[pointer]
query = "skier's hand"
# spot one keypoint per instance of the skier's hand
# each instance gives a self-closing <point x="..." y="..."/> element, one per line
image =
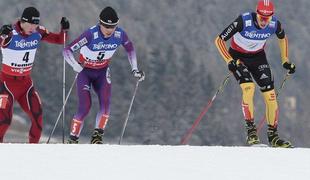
<point x="77" y="68"/>
<point x="233" y="65"/>
<point x="138" y="74"/>
<point x="65" y="25"/>
<point x="6" y="29"/>
<point x="290" y="67"/>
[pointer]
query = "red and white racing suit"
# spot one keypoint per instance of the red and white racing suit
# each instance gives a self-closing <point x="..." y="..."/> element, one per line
<point x="18" y="52"/>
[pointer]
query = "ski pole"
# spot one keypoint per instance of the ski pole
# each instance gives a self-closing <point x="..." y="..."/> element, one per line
<point x="189" y="133"/>
<point x="128" y="113"/>
<point x="261" y="122"/>
<point x="64" y="94"/>
<point x="62" y="109"/>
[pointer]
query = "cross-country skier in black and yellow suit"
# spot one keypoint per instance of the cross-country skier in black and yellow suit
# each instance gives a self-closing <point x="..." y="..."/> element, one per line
<point x="247" y="60"/>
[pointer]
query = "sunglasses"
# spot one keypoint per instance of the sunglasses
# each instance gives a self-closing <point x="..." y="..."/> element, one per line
<point x="108" y="26"/>
<point x="264" y="18"/>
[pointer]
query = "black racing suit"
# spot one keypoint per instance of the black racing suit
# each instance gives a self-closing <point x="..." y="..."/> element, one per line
<point x="256" y="63"/>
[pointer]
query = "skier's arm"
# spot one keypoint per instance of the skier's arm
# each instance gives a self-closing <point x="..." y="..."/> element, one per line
<point x="50" y="37"/>
<point x="283" y="42"/>
<point x="131" y="53"/>
<point x="228" y="32"/>
<point x="76" y="45"/>
<point x="56" y="38"/>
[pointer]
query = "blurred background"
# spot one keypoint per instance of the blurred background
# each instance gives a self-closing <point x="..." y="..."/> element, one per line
<point x="174" y="40"/>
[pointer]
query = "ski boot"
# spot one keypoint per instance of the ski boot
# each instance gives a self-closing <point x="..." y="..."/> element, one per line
<point x="73" y="140"/>
<point x="274" y="139"/>
<point x="252" y="137"/>
<point x="96" y="138"/>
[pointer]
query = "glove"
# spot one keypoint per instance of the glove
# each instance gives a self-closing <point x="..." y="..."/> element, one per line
<point x="6" y="29"/>
<point x="77" y="68"/>
<point x="65" y="25"/>
<point x="290" y="67"/>
<point x="233" y="65"/>
<point x="138" y="74"/>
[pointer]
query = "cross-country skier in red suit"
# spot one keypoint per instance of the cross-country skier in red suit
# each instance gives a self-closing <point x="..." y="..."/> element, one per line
<point x="19" y="43"/>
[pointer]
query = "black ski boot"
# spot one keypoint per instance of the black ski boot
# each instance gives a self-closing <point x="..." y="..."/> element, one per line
<point x="252" y="137"/>
<point x="274" y="139"/>
<point x="73" y="140"/>
<point x="96" y="138"/>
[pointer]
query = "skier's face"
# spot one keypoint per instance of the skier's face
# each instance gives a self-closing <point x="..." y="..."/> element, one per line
<point x="107" y="31"/>
<point x="29" y="28"/>
<point x="263" y="21"/>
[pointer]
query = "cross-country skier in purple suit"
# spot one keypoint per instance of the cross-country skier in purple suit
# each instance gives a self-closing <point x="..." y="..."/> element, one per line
<point x="97" y="46"/>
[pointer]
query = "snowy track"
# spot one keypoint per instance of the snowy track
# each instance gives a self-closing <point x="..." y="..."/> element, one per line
<point x="114" y="162"/>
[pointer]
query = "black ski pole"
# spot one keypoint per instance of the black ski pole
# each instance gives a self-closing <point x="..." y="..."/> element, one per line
<point x="64" y="94"/>
<point x="62" y="109"/>
<point x="128" y="113"/>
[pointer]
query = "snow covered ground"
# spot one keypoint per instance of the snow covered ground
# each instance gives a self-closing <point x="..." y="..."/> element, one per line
<point x="137" y="162"/>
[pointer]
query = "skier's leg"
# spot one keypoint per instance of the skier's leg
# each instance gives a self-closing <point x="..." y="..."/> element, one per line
<point x="102" y="87"/>
<point x="271" y="107"/>
<point x="272" y="120"/>
<point x="83" y="91"/>
<point x="272" y="112"/>
<point x="247" y="85"/>
<point x="6" y="109"/>
<point x="248" y="90"/>
<point x="31" y="104"/>
<point x="264" y="79"/>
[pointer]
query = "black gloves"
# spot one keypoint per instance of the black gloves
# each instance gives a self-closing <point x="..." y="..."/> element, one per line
<point x="6" y="29"/>
<point x="65" y="25"/>
<point x="233" y="65"/>
<point x="138" y="74"/>
<point x="290" y="67"/>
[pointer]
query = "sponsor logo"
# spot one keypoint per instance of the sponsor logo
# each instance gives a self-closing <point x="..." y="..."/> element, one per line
<point x="228" y="31"/>
<point x="272" y="24"/>
<point x="36" y="18"/>
<point x="265" y="12"/>
<point x="22" y="43"/>
<point x="96" y="35"/>
<point x="248" y="88"/>
<point x="235" y="24"/>
<point x="83" y="41"/>
<point x="101" y="45"/>
<point x="248" y="23"/>
<point x="95" y="63"/>
<point x="21" y="71"/>
<point x="75" y="47"/>
<point x="117" y="34"/>
<point x="86" y="87"/>
<point x="262" y="67"/>
<point x="272" y="97"/>
<point x="21" y="65"/>
<point x="79" y="44"/>
<point x="108" y="76"/>
<point x="246" y="14"/>
<point x="253" y="34"/>
<point x="264" y="76"/>
<point x="3" y="100"/>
